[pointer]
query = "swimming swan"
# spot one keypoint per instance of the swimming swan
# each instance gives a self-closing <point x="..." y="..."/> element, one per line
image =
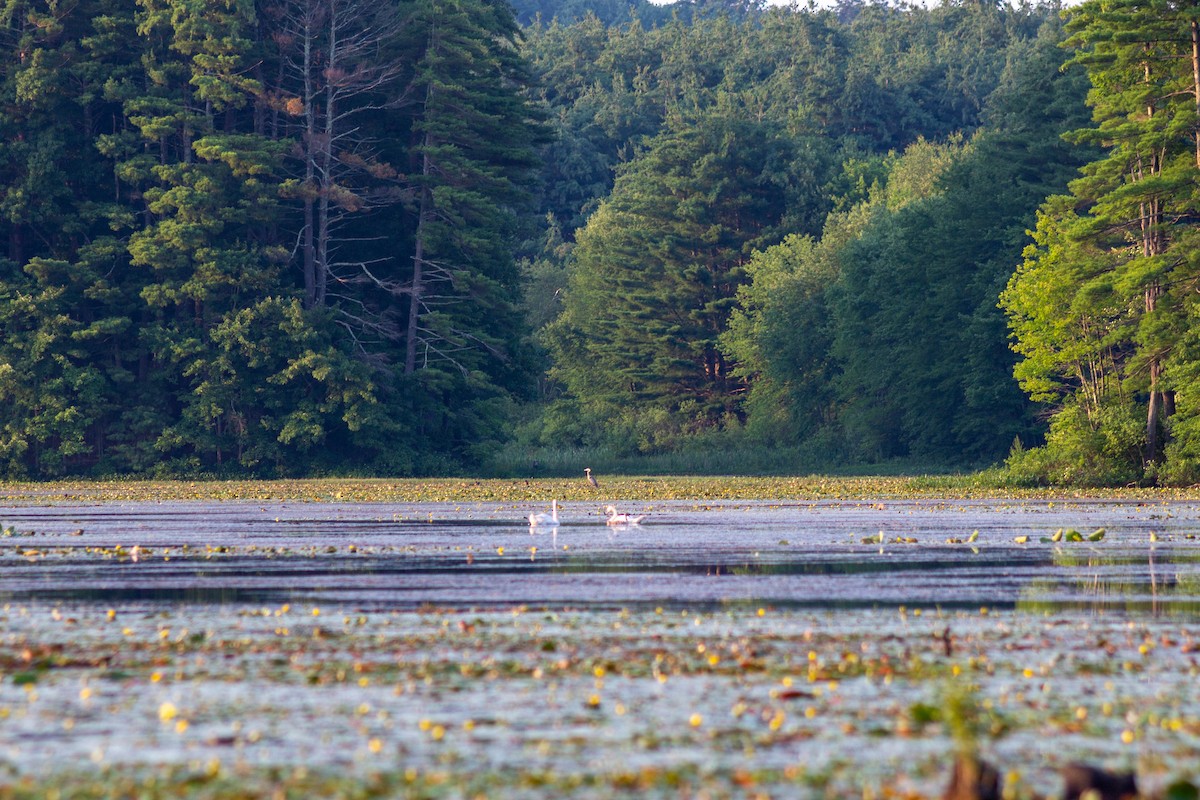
<point x="616" y="518"/>
<point x="536" y="520"/>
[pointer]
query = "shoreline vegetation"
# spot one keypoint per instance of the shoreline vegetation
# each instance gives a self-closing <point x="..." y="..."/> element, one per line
<point x="811" y="488"/>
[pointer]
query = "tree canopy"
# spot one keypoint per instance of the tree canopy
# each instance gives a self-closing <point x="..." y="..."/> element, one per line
<point x="309" y="236"/>
<point x="210" y="215"/>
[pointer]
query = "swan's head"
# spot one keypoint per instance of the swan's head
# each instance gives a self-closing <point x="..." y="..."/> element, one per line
<point x="610" y="510"/>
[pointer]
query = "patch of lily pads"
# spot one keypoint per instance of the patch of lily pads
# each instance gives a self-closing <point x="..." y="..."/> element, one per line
<point x="640" y="488"/>
<point x="212" y="701"/>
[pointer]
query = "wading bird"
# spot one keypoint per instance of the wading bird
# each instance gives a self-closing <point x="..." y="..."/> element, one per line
<point x="587" y="473"/>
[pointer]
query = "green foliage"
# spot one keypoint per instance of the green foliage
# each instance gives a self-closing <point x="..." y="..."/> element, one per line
<point x="1067" y="322"/>
<point x="1101" y="308"/>
<point x="471" y="163"/>
<point x="656" y="271"/>
<point x="1182" y="463"/>
<point x="1100" y="449"/>
<point x="871" y="80"/>
<point x="158" y="304"/>
<point x="608" y="12"/>
<point x="958" y="706"/>
<point x="883" y="335"/>
<point x="890" y="305"/>
<point x="781" y="333"/>
<point x="50" y="391"/>
<point x="732" y="450"/>
<point x="1181" y="789"/>
<point x="284" y="237"/>
<point x="474" y="157"/>
<point x="272" y="391"/>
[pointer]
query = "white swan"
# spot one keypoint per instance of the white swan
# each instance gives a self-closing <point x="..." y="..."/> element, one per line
<point x="536" y="520"/>
<point x="617" y="518"/>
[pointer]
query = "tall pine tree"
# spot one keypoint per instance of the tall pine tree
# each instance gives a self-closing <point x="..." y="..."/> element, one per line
<point x="658" y="267"/>
<point x="471" y="160"/>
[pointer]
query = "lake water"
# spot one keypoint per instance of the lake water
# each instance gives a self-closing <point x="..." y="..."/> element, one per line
<point x="794" y="642"/>
<point x="809" y="554"/>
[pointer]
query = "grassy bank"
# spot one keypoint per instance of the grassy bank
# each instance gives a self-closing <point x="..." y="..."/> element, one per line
<point x="639" y="488"/>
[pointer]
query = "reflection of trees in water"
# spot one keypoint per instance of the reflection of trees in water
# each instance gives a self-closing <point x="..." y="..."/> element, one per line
<point x="199" y="595"/>
<point x="589" y="563"/>
<point x="1090" y="583"/>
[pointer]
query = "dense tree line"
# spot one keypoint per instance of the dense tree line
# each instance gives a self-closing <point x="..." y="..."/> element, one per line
<point x="296" y="236"/>
<point x="273" y="237"/>
<point x="811" y="217"/>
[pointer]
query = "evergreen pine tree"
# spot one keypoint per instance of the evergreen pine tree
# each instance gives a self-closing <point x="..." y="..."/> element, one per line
<point x="471" y="160"/>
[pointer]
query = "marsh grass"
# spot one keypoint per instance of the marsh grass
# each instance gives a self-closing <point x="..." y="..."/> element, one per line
<point x="571" y="486"/>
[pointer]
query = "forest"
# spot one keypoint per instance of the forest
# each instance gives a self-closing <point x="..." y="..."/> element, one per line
<point x="416" y="237"/>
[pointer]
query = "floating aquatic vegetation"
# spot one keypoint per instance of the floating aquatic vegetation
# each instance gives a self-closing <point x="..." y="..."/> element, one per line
<point x="652" y="488"/>
<point x="732" y="649"/>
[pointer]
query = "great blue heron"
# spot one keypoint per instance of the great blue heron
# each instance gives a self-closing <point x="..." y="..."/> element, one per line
<point x="617" y="518"/>
<point x="545" y="519"/>
<point x="587" y="472"/>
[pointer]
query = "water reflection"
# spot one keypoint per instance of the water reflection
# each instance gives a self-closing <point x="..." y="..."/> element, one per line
<point x="1152" y="583"/>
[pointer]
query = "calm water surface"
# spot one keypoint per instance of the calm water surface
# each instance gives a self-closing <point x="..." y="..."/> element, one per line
<point x="825" y="554"/>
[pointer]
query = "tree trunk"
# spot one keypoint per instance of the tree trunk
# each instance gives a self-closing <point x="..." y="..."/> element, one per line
<point x="1152" y="419"/>
<point x="310" y="262"/>
<point x="308" y="246"/>
<point x="1152" y="245"/>
<point x="325" y="159"/>
<point x="416" y="294"/>
<point x="1196" y="82"/>
<point x="1154" y="416"/>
